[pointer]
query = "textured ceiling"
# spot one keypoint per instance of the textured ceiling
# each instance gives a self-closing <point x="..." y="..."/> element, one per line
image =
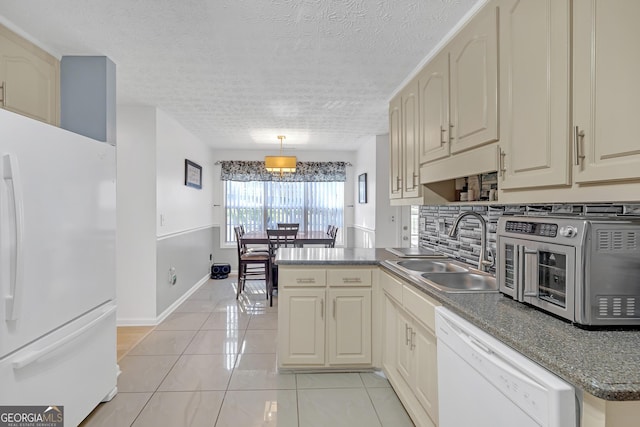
<point x="237" y="73"/>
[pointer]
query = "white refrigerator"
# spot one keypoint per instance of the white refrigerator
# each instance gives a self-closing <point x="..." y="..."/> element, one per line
<point x="57" y="268"/>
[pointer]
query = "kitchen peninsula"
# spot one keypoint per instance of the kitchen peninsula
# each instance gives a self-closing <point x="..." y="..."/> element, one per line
<point x="603" y="364"/>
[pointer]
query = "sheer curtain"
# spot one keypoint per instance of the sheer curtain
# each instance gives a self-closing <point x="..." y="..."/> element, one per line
<point x="259" y="205"/>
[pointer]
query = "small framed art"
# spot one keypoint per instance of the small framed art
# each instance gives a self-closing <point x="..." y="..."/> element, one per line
<point x="362" y="188"/>
<point x="192" y="174"/>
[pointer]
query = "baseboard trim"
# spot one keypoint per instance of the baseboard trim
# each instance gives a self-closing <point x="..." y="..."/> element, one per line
<point x="157" y="320"/>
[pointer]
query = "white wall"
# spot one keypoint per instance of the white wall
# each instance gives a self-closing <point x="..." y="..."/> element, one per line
<point x="151" y="150"/>
<point x="364" y="216"/>
<point x="136" y="207"/>
<point x="376" y="223"/>
<point x="388" y="222"/>
<point x="182" y="208"/>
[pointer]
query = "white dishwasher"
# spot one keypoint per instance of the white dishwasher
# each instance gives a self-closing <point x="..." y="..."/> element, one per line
<point x="484" y="383"/>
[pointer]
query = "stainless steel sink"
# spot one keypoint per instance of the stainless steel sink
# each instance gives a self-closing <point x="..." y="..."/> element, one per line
<point x="431" y="266"/>
<point x="462" y="282"/>
<point x="445" y="275"/>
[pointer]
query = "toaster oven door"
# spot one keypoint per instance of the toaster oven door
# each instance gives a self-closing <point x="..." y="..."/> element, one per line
<point x="508" y="271"/>
<point x="548" y="277"/>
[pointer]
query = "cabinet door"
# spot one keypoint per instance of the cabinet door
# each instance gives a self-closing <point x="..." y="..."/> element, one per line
<point x="403" y="348"/>
<point x="301" y="321"/>
<point x="349" y="323"/>
<point x="535" y="73"/>
<point x="433" y="84"/>
<point x="29" y="78"/>
<point x="474" y="82"/>
<point x="389" y="340"/>
<point x="606" y="90"/>
<point x="395" y="153"/>
<point x="425" y="373"/>
<point x="410" y="130"/>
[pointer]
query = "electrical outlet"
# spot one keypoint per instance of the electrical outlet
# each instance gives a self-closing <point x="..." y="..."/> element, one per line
<point x="173" y="277"/>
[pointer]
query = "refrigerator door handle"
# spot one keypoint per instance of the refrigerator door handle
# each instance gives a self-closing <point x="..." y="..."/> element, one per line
<point x="11" y="177"/>
<point x="34" y="356"/>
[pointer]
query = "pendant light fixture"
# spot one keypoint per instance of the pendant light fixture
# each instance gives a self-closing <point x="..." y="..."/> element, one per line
<point x="280" y="164"/>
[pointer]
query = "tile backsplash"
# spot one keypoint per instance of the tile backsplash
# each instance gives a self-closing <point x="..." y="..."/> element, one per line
<point x="436" y="221"/>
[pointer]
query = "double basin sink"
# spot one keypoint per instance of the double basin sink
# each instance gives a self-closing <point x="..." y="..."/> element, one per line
<point x="446" y="275"/>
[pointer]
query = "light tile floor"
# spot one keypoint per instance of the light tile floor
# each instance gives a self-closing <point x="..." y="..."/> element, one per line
<point x="213" y="363"/>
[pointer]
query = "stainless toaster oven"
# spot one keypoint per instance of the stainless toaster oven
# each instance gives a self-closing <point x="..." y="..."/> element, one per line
<point x="583" y="269"/>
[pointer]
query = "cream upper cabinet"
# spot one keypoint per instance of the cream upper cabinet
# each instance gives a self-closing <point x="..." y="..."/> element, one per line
<point x="395" y="152"/>
<point x="410" y="132"/>
<point x="404" y="122"/>
<point x="29" y="79"/>
<point x="606" y="90"/>
<point x="535" y="99"/>
<point x="474" y="82"/>
<point x="433" y="83"/>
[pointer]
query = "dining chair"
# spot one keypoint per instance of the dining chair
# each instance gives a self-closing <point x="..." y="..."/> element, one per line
<point x="288" y="226"/>
<point x="281" y="238"/>
<point x="333" y="234"/>
<point x="252" y="265"/>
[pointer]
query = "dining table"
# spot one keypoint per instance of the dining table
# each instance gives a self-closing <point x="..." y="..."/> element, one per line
<point x="302" y="238"/>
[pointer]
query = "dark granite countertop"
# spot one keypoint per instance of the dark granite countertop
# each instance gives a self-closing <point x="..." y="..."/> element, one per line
<point x="604" y="363"/>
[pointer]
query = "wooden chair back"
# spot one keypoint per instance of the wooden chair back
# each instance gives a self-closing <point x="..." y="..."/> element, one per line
<point x="288" y="226"/>
<point x="281" y="238"/>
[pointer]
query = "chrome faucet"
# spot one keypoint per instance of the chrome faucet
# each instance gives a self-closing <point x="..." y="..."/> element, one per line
<point x="482" y="262"/>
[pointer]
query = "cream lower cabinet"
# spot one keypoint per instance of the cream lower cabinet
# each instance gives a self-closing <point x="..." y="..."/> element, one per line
<point x="324" y="318"/>
<point x="29" y="79"/>
<point x="409" y="348"/>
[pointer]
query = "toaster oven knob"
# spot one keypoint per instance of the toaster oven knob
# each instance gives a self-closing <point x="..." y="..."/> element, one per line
<point x="568" y="231"/>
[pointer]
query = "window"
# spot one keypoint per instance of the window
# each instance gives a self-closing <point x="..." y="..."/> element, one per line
<point x="415" y="226"/>
<point x="259" y="205"/>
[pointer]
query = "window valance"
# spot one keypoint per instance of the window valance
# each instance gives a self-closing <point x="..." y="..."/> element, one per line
<point x="242" y="170"/>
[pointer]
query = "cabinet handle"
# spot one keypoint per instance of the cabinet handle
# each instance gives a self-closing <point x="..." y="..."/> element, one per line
<point x="334" y="308"/>
<point x="406" y="333"/>
<point x="398" y="181"/>
<point x="3" y="88"/>
<point x="443" y="139"/>
<point x="351" y="280"/>
<point x="501" y="168"/>
<point x="451" y="137"/>
<point x="415" y="175"/>
<point x="322" y="308"/>
<point x="306" y="280"/>
<point x="578" y="135"/>
<point x="413" y="335"/>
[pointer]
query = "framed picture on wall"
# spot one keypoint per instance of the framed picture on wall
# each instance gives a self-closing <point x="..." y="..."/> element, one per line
<point x="192" y="174"/>
<point x="362" y="188"/>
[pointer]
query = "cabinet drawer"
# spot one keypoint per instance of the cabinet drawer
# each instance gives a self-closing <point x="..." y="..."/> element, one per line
<point x="302" y="277"/>
<point x="391" y="286"/>
<point x="349" y="277"/>
<point x="420" y="306"/>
